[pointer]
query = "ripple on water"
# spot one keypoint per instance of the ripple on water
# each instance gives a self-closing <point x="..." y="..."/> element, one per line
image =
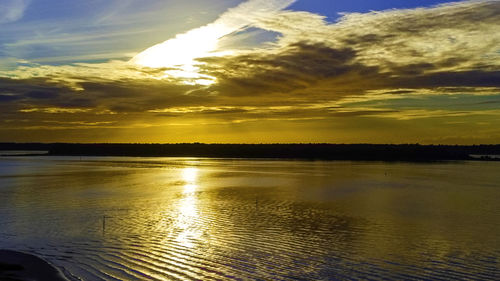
<point x="205" y="219"/>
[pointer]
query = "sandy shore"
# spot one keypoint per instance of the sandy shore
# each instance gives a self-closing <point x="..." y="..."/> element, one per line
<point x="17" y="266"/>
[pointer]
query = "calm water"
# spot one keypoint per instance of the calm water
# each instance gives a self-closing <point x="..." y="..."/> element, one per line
<point x="203" y="219"/>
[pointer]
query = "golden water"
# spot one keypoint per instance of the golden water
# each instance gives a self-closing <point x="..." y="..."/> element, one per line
<point x="209" y="219"/>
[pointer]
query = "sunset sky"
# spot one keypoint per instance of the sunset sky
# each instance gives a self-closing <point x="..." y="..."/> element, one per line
<point x="256" y="71"/>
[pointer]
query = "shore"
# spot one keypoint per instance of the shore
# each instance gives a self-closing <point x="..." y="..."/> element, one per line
<point x="325" y="151"/>
<point x="17" y="266"/>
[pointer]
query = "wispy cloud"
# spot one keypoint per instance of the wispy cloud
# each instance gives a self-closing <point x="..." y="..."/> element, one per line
<point x="95" y="31"/>
<point x="202" y="41"/>
<point x="12" y="10"/>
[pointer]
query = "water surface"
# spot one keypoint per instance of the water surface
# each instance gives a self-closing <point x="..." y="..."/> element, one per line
<point x="201" y="219"/>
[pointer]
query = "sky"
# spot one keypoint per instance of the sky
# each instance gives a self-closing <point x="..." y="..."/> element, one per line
<point x="254" y="71"/>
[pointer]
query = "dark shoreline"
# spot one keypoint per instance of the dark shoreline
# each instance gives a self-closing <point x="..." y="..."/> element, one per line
<point x="19" y="266"/>
<point x="353" y="152"/>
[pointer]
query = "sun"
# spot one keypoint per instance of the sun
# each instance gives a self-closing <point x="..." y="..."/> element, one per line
<point x="179" y="55"/>
<point x="183" y="49"/>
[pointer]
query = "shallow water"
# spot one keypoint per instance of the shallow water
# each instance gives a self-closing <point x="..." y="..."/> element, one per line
<point x="202" y="219"/>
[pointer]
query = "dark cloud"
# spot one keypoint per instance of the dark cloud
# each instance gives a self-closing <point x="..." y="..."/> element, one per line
<point x="299" y="66"/>
<point x="475" y="78"/>
<point x="120" y="95"/>
<point x="4" y="98"/>
<point x="42" y="95"/>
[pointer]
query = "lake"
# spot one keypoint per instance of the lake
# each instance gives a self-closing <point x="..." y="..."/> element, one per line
<point x="105" y="218"/>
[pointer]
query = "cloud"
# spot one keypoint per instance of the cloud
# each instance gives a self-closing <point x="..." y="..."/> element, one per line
<point x="436" y="47"/>
<point x="64" y="32"/>
<point x="453" y="45"/>
<point x="315" y="70"/>
<point x="12" y="10"/>
<point x="200" y="42"/>
<point x="457" y="36"/>
<point x="296" y="68"/>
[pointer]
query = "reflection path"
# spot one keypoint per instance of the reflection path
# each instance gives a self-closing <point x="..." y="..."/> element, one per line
<point x="188" y="214"/>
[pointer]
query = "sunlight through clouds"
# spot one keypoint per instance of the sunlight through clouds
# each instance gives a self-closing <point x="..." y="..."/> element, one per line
<point x="182" y="51"/>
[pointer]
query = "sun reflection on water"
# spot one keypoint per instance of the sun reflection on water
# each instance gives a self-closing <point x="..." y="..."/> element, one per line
<point x="188" y="213"/>
<point x="190" y="175"/>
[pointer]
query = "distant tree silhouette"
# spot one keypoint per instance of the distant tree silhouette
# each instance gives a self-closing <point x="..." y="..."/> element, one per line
<point x="368" y="152"/>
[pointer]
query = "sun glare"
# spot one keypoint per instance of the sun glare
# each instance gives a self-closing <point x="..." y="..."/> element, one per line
<point x="179" y="55"/>
<point x="190" y="175"/>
